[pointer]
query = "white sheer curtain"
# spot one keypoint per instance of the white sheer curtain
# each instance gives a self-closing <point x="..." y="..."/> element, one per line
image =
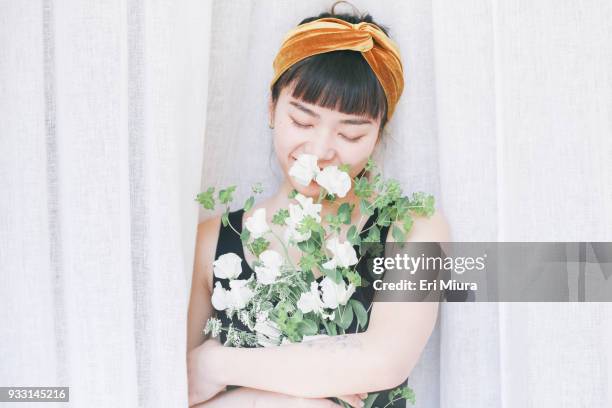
<point x="102" y="110"/>
<point x="506" y="118"/>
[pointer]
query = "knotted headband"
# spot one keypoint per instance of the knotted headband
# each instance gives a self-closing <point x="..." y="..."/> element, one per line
<point x="332" y="34"/>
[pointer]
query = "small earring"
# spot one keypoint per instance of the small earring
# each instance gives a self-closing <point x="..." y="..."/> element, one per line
<point x="271" y="126"/>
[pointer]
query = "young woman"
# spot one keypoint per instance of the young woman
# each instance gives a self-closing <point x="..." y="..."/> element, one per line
<point x="337" y="81"/>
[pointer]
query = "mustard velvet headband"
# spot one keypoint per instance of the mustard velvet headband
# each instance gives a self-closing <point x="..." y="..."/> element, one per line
<point x="332" y="34"/>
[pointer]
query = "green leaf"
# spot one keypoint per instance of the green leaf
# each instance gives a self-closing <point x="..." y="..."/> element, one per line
<point x="364" y="207"/>
<point x="207" y="199"/>
<point x="345" y="167"/>
<point x="258" y="246"/>
<point x="363" y="188"/>
<point x="384" y="217"/>
<point x="308" y="327"/>
<point x="344" y="213"/>
<point x="370" y="165"/>
<point x="398" y="234"/>
<point x="373" y="235"/>
<point x="407" y="223"/>
<point x="257" y="188"/>
<point x="280" y="217"/>
<point x="245" y="235"/>
<point x="292" y="193"/>
<point x="360" y="312"/>
<point x="352" y="236"/>
<point x="333" y="274"/>
<point x="225" y="218"/>
<point x="225" y="196"/>
<point x="346" y="317"/>
<point x="249" y="203"/>
<point x="369" y="401"/>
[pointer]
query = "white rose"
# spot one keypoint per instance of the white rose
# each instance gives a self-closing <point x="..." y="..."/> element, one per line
<point x="220" y="299"/>
<point x="227" y="266"/>
<point x="270" y="270"/>
<point x="240" y="294"/>
<point x="268" y="333"/>
<point x="344" y="254"/>
<point x="334" y="181"/>
<point x="304" y="169"/>
<point x="311" y="301"/>
<point x="335" y="294"/>
<point x="256" y="223"/>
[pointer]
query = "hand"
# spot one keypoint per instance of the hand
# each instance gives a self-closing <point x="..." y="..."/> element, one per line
<point x="275" y="400"/>
<point x="202" y="386"/>
<point x="354" y="400"/>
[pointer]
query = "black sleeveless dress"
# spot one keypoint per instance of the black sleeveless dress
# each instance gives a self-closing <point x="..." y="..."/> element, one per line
<point x="229" y="241"/>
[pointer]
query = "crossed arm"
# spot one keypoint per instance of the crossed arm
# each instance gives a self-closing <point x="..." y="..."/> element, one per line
<point x="378" y="359"/>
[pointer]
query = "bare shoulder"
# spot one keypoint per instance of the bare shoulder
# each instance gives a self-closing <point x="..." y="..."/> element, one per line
<point x="434" y="228"/>
<point x="206" y="245"/>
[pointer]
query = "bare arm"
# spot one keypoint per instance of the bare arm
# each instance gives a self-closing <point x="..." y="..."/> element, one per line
<point x="380" y="358"/>
<point x="200" y="309"/>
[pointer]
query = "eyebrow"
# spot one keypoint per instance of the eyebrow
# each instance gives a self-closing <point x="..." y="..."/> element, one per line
<point x="316" y="115"/>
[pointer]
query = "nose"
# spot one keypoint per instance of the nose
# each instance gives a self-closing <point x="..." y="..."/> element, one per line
<point x="322" y="147"/>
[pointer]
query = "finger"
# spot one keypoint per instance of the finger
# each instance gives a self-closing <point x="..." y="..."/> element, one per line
<point x="353" y="400"/>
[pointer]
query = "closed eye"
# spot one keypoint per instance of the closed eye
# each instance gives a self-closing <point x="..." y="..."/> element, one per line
<point x="301" y="125"/>
<point x="351" y="139"/>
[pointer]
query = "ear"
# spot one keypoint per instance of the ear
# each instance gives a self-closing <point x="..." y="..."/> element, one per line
<point x="271" y="107"/>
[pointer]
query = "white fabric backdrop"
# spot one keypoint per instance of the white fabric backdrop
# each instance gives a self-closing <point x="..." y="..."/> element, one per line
<point x="506" y="118"/>
<point x="102" y="110"/>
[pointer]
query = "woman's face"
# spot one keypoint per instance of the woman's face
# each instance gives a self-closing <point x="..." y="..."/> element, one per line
<point x="335" y="138"/>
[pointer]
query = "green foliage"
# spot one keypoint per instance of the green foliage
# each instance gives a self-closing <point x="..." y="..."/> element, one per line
<point x="207" y="199"/>
<point x="345" y="168"/>
<point x="360" y="312"/>
<point x="257" y="246"/>
<point x="249" y="203"/>
<point x="257" y="188"/>
<point x="280" y="217"/>
<point x="225" y="196"/>
<point x="403" y="392"/>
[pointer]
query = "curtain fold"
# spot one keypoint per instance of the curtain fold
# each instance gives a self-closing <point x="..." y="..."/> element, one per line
<point x="103" y="108"/>
<point x="115" y="114"/>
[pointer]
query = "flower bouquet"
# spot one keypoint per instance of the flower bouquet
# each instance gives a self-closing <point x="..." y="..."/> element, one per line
<point x="283" y="302"/>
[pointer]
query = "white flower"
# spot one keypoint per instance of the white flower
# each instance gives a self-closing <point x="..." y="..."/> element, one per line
<point x="227" y="266"/>
<point x="334" y="181"/>
<point x="235" y="298"/>
<point x="304" y="169"/>
<point x="272" y="261"/>
<point x="311" y="301"/>
<point x="268" y="333"/>
<point x="220" y="297"/>
<point x="335" y="294"/>
<point x="240" y="293"/>
<point x="308" y="207"/>
<point x="256" y="223"/>
<point x="344" y="254"/>
<point x="297" y="212"/>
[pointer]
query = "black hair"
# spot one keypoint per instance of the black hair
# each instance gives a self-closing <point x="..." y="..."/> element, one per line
<point x="341" y="80"/>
